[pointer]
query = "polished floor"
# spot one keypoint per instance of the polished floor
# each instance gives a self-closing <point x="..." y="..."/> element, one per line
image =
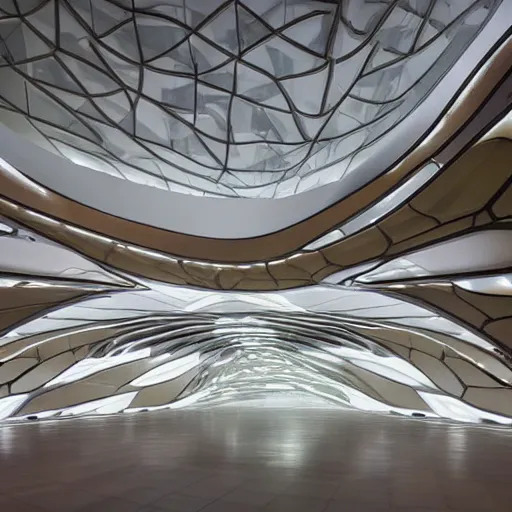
<point x="253" y="459"/>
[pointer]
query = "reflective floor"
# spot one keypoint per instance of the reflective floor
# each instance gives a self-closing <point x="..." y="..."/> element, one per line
<point x="253" y="459"/>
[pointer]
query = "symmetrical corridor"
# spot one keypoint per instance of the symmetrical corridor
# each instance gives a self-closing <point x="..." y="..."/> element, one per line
<point x="255" y="255"/>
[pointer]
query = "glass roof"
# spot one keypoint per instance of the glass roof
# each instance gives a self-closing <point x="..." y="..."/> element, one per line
<point x="253" y="98"/>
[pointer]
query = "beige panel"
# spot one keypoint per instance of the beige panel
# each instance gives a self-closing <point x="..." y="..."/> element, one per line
<point x="286" y="284"/>
<point x="406" y="223"/>
<point x="502" y="208"/>
<point x="9" y="318"/>
<point x="501" y="330"/>
<point x="11" y="369"/>
<point x="161" y="394"/>
<point x="396" y="348"/>
<point x="147" y="263"/>
<point x="82" y="352"/>
<point x="482" y="219"/>
<point x="202" y="273"/>
<point x="470" y="374"/>
<point x="402" y="337"/>
<point x="22" y="345"/>
<point x="263" y="284"/>
<point x="441" y="296"/>
<point x="24" y="299"/>
<point x="99" y="385"/>
<point x="122" y="374"/>
<point x="391" y="392"/>
<point x="364" y="246"/>
<point x="43" y="373"/>
<point x="36" y="293"/>
<point x="495" y="400"/>
<point x="427" y="345"/>
<point x="437" y="372"/>
<point x="311" y="263"/>
<point x="228" y="279"/>
<point x="66" y="396"/>
<point x="50" y="342"/>
<point x="325" y="272"/>
<point x="50" y="349"/>
<point x="466" y="187"/>
<point x="282" y="270"/>
<point x="492" y="306"/>
<point x="491" y="363"/>
<point x="446" y="230"/>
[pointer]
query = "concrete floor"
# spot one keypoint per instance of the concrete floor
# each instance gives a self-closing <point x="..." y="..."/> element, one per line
<point x="253" y="459"/>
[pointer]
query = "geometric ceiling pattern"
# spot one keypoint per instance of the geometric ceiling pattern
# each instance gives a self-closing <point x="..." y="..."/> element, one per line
<point x="397" y="299"/>
<point x="224" y="98"/>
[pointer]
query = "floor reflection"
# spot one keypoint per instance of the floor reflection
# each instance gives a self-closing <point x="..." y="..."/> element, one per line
<point x="253" y="458"/>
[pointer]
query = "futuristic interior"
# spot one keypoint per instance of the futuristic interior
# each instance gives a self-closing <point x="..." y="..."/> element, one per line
<point x="210" y="202"/>
<point x="255" y="255"/>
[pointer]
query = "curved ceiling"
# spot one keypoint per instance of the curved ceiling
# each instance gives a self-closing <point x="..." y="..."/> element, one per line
<point x="413" y="317"/>
<point x="284" y="100"/>
<point x="380" y="30"/>
<point x="389" y="290"/>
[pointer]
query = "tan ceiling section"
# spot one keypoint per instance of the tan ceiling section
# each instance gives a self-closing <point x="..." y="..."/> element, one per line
<point x="364" y="246"/>
<point x="406" y="223"/>
<point x="437" y="372"/>
<point x="501" y="330"/>
<point x="29" y="298"/>
<point x="503" y="206"/>
<point x="460" y="190"/>
<point x="491" y="305"/>
<point x="160" y="394"/>
<point x="443" y="232"/>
